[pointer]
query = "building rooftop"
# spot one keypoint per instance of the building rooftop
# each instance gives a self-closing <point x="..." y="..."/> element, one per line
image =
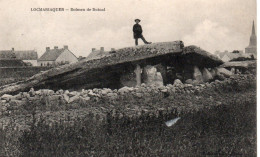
<point x="7" y="54"/>
<point x="26" y="55"/>
<point x="21" y="54"/>
<point x="52" y="54"/>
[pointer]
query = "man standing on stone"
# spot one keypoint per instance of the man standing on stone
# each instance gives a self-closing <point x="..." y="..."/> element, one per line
<point x="137" y="29"/>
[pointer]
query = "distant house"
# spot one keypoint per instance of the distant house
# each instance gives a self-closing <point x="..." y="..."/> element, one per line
<point x="227" y="56"/>
<point x="28" y="56"/>
<point x="94" y="54"/>
<point x="57" y="56"/>
<point x="221" y="54"/>
<point x="7" y="54"/>
<point x="9" y="59"/>
<point x="81" y="58"/>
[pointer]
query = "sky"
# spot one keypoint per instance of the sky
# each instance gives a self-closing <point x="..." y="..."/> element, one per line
<point x="210" y="24"/>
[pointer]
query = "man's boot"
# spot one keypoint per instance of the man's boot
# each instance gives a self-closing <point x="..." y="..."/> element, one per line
<point x="142" y="37"/>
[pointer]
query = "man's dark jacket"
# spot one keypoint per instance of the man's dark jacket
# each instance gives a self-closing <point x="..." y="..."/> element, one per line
<point x="137" y="29"/>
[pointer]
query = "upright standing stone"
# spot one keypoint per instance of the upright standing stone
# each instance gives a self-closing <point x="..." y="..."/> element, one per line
<point x="213" y="72"/>
<point x="177" y="83"/>
<point x="138" y="75"/>
<point x="233" y="70"/>
<point x="152" y="77"/>
<point x="159" y="79"/>
<point x="206" y="75"/>
<point x="162" y="69"/>
<point x="197" y="75"/>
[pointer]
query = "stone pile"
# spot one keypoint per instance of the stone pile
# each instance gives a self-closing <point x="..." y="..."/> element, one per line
<point x="50" y="97"/>
<point x="128" y="102"/>
<point x="205" y="75"/>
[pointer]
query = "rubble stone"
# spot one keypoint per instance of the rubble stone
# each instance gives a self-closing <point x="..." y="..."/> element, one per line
<point x="125" y="90"/>
<point x="177" y="83"/>
<point x="6" y="97"/>
<point x="66" y="97"/>
<point x="38" y="92"/>
<point x="224" y="72"/>
<point x="73" y="99"/>
<point x="95" y="90"/>
<point x="106" y="91"/>
<point x="18" y="96"/>
<point x="60" y="91"/>
<point x="55" y="98"/>
<point x="220" y="77"/>
<point x="164" y="90"/>
<point x="71" y="94"/>
<point x="195" y="82"/>
<point x="189" y="81"/>
<point x="86" y="98"/>
<point x="32" y="92"/>
<point x="91" y="93"/>
<point x="139" y="95"/>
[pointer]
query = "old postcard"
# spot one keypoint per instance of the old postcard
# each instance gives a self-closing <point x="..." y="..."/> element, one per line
<point x="128" y="78"/>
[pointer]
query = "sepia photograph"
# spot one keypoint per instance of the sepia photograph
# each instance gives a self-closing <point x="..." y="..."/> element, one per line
<point x="128" y="78"/>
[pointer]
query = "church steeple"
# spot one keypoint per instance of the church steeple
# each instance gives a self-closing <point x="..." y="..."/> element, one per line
<point x="251" y="49"/>
<point x="253" y="28"/>
<point x="253" y="36"/>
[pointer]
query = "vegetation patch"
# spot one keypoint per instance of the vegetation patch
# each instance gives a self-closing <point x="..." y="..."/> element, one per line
<point x="213" y="122"/>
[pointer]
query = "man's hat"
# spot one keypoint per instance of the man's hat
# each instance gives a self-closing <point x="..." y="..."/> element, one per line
<point x="137" y="20"/>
